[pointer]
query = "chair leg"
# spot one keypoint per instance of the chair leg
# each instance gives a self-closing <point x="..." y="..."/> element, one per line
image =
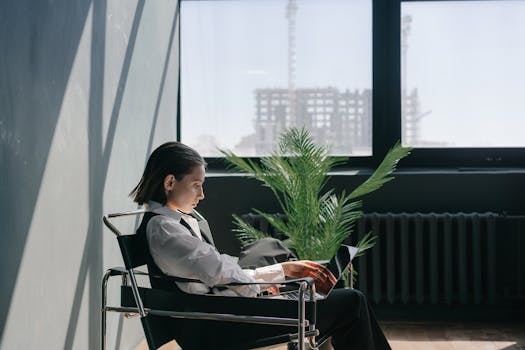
<point x="103" y="311"/>
<point x="103" y="330"/>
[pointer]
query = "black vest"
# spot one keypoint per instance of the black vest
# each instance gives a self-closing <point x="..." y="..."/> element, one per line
<point x="165" y="282"/>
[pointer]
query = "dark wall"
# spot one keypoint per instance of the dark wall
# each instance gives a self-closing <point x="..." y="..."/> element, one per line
<point x="410" y="191"/>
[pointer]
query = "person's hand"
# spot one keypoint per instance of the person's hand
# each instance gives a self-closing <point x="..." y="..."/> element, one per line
<point x="323" y="278"/>
<point x="305" y="268"/>
<point x="273" y="289"/>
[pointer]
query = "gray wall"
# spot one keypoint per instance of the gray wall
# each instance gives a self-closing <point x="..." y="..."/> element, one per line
<point x="87" y="89"/>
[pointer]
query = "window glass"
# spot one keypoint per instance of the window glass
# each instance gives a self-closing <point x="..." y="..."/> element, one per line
<point x="250" y="69"/>
<point x="463" y="73"/>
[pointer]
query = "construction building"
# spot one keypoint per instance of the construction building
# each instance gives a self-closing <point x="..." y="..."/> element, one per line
<point x="341" y="119"/>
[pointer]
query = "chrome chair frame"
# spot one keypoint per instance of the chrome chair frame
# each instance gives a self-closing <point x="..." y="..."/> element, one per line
<point x="305" y="329"/>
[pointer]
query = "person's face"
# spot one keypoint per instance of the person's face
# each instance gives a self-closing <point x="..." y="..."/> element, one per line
<point x="184" y="195"/>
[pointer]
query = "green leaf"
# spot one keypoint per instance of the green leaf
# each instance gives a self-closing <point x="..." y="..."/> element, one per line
<point x="367" y="242"/>
<point x="381" y="174"/>
<point x="245" y="232"/>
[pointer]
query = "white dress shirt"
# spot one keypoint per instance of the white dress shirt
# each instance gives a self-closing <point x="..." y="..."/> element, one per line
<point x="177" y="252"/>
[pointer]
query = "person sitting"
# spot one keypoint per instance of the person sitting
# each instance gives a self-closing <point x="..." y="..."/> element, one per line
<point x="170" y="188"/>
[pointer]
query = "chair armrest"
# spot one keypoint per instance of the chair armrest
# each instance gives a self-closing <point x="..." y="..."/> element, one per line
<point x="121" y="270"/>
<point x="308" y="280"/>
<point x="117" y="271"/>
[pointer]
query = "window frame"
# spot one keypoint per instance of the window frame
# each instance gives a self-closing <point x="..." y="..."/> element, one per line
<point x="386" y="107"/>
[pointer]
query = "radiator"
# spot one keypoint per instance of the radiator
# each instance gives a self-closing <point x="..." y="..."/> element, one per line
<point x="432" y="259"/>
<point x="428" y="258"/>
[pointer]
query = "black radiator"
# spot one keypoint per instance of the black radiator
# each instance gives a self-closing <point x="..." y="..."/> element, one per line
<point x="429" y="258"/>
<point x="438" y="258"/>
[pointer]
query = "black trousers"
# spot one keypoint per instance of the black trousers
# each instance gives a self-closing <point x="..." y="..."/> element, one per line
<point x="345" y="315"/>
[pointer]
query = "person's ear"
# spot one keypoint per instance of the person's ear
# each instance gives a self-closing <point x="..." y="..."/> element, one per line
<point x="169" y="182"/>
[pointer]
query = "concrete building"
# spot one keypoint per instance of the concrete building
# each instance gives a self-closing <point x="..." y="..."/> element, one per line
<point x="340" y="119"/>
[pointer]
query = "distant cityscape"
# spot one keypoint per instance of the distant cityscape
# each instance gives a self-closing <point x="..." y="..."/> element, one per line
<point x="341" y="120"/>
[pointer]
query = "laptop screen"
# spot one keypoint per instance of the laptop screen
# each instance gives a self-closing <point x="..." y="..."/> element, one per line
<point x="337" y="265"/>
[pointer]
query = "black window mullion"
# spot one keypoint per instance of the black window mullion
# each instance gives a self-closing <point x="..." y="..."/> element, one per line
<point x="386" y="80"/>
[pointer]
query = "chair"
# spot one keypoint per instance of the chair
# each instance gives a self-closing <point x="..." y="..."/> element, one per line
<point x="155" y="305"/>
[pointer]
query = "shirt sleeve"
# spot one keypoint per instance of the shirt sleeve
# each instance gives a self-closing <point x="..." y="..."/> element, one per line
<point x="271" y="273"/>
<point x="178" y="253"/>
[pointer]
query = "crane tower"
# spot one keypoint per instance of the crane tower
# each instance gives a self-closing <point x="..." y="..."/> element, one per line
<point x="291" y="10"/>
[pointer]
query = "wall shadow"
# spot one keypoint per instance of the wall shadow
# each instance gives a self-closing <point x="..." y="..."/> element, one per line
<point x="39" y="44"/>
<point x="98" y="158"/>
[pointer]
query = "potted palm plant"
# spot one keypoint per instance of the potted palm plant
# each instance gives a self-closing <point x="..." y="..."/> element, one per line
<point x="316" y="220"/>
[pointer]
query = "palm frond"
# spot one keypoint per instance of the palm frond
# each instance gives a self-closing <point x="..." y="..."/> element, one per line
<point x="381" y="174"/>
<point x="274" y="220"/>
<point x="367" y="242"/>
<point x="245" y="232"/>
<point x="246" y="166"/>
<point x="339" y="216"/>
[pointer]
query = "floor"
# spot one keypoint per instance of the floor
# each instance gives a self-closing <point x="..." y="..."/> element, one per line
<point x="454" y="336"/>
<point x="439" y="336"/>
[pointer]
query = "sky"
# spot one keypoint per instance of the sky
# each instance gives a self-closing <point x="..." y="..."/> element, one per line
<point x="464" y="58"/>
<point x="467" y="61"/>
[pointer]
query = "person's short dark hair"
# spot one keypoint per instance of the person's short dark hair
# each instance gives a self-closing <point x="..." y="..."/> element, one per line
<point x="169" y="158"/>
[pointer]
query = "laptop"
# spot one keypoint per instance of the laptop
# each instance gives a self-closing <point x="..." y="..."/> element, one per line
<point x="337" y="265"/>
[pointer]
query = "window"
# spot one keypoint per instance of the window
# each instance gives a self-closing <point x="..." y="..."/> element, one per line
<point x="287" y="54"/>
<point x="462" y="74"/>
<point x="455" y="65"/>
